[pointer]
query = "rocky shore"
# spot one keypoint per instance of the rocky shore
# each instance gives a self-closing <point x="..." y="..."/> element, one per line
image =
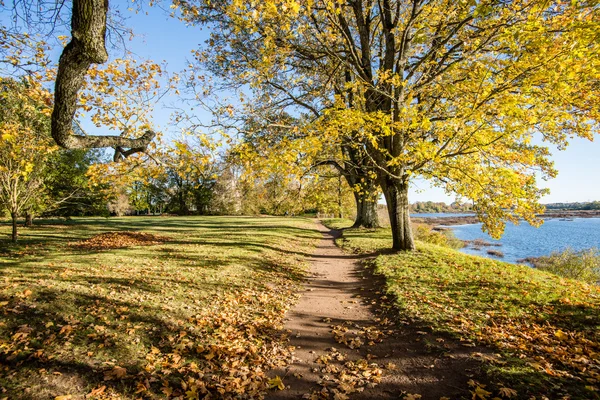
<point x="472" y="219"/>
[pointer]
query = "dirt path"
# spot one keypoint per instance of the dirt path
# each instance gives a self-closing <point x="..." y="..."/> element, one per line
<point x="345" y="348"/>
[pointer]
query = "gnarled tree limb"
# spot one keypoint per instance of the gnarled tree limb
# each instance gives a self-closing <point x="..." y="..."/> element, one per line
<point x="87" y="47"/>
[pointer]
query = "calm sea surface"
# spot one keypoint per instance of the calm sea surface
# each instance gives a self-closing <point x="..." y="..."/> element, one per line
<point x="521" y="241"/>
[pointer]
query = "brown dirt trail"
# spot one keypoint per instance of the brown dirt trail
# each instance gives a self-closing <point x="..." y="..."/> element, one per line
<point x="346" y="347"/>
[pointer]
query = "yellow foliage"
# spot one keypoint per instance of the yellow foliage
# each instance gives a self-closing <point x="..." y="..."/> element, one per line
<point x="466" y="95"/>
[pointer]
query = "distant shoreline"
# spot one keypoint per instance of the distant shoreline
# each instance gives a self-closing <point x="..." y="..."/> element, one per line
<point x="466" y="220"/>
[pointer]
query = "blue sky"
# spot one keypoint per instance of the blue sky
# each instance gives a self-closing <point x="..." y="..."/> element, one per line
<point x="163" y="38"/>
<point x="160" y="37"/>
<point x="578" y="177"/>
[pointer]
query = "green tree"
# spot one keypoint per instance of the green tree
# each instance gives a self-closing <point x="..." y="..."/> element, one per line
<point x="68" y="185"/>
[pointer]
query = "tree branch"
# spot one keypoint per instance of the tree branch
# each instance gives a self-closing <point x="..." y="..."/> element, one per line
<point x="87" y="47"/>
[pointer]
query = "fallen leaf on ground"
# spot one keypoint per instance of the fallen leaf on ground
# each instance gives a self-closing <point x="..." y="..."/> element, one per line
<point x="276" y="383"/>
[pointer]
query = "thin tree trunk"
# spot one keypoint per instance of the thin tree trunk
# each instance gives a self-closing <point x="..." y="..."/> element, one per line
<point x="340" y="214"/>
<point x="396" y="196"/>
<point x="359" y="211"/>
<point x="14" y="227"/>
<point x="28" y="219"/>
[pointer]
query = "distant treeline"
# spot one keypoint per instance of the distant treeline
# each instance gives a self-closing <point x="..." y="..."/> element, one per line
<point x="439" y="207"/>
<point x="593" y="205"/>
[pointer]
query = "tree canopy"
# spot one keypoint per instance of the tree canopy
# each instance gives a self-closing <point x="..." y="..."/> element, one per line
<point x="467" y="94"/>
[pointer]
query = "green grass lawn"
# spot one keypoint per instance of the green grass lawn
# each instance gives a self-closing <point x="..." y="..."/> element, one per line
<point x="545" y="329"/>
<point x="199" y="313"/>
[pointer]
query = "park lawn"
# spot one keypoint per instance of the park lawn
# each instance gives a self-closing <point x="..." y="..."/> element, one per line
<point x="200" y="313"/>
<point x="544" y="329"/>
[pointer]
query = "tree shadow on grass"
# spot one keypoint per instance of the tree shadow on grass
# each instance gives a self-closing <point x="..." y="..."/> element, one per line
<point x="97" y="340"/>
<point x="97" y="333"/>
<point x="516" y="368"/>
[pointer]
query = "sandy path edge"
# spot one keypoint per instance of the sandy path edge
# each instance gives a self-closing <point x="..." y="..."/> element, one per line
<point x="342" y="297"/>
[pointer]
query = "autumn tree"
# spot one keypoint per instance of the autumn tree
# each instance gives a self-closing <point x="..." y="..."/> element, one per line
<point x="25" y="146"/>
<point x="466" y="94"/>
<point x="328" y="193"/>
<point x="277" y="109"/>
<point x="192" y="167"/>
<point x="273" y="142"/>
<point x="86" y="48"/>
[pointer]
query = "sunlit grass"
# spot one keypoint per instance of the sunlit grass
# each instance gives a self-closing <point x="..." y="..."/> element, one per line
<point x="200" y="312"/>
<point x="546" y="328"/>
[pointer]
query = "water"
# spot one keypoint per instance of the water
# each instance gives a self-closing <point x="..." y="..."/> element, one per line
<point x="521" y="241"/>
<point x="440" y="215"/>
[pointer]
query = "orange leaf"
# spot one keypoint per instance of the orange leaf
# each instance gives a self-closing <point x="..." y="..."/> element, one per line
<point x="97" y="391"/>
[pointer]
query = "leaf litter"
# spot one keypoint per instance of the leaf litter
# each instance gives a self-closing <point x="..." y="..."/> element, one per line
<point x="149" y="324"/>
<point x="119" y="240"/>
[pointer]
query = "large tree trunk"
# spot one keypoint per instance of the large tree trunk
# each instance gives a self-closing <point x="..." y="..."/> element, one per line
<point x="366" y="201"/>
<point x="396" y="196"/>
<point x="366" y="211"/>
<point x="14" y="227"/>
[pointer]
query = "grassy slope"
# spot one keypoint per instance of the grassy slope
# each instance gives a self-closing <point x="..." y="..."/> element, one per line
<point x="199" y="313"/>
<point x="546" y="328"/>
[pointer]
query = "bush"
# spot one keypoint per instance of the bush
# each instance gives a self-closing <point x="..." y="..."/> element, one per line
<point x="444" y="238"/>
<point x="583" y="265"/>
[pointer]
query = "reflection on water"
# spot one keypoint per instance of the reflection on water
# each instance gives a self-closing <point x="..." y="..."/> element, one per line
<point x="521" y="241"/>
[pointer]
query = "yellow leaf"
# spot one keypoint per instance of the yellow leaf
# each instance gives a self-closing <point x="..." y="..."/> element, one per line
<point x="276" y="383"/>
<point x="480" y="393"/>
<point x="65" y="397"/>
<point x="561" y="335"/>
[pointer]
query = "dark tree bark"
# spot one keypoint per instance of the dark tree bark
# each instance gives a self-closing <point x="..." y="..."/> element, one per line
<point x="366" y="212"/>
<point x="366" y="200"/>
<point x="396" y="196"/>
<point x="340" y="213"/>
<point x="87" y="47"/>
<point x="28" y="219"/>
<point x="15" y="234"/>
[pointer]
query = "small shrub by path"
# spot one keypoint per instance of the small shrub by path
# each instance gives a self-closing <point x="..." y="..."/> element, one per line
<point x="545" y="329"/>
<point x="199" y="315"/>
